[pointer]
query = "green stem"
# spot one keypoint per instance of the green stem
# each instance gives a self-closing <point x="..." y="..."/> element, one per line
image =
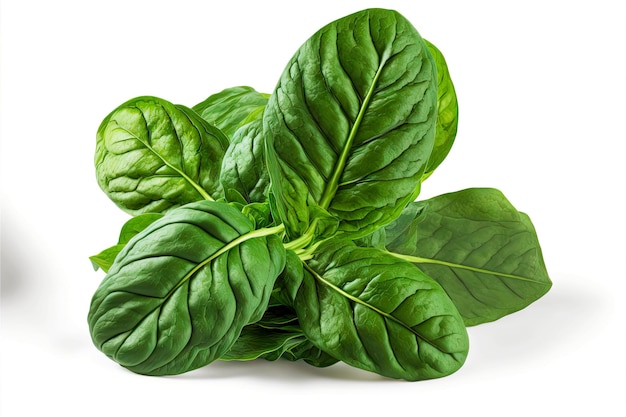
<point x="299" y="243"/>
<point x="303" y="241"/>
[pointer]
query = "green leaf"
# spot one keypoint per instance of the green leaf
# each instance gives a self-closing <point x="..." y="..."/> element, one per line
<point x="257" y="342"/>
<point x="289" y="281"/>
<point x="131" y="228"/>
<point x="277" y="336"/>
<point x="379" y="313"/>
<point x="137" y="224"/>
<point x="482" y="251"/>
<point x="181" y="291"/>
<point x="277" y="332"/>
<point x="259" y="213"/>
<point x="152" y="156"/>
<point x="306" y="351"/>
<point x="279" y="317"/>
<point x="351" y="124"/>
<point x="244" y="172"/>
<point x="105" y="258"/>
<point x="376" y="239"/>
<point x="232" y="108"/>
<point x="447" y="112"/>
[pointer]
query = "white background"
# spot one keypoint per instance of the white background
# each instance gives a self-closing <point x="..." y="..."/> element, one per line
<point x="541" y="86"/>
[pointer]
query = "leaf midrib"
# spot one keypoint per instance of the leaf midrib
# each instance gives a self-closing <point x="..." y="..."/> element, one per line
<point x="195" y="185"/>
<point x="421" y="260"/>
<point x="333" y="184"/>
<point x="369" y="306"/>
<point x="233" y="243"/>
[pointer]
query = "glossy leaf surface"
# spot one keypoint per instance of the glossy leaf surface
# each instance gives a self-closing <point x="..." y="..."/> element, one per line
<point x="482" y="251"/>
<point x="379" y="313"/>
<point x="447" y="112"/>
<point x="232" y="108"/>
<point x="351" y="124"/>
<point x="152" y="156"/>
<point x="179" y="294"/>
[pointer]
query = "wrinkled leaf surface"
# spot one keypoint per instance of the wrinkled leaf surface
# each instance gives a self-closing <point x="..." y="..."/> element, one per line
<point x="351" y="124"/>
<point x="179" y="294"/>
<point x="379" y="313"/>
<point x="152" y="156"/>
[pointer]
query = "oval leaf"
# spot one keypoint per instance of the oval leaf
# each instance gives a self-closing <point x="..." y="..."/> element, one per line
<point x="379" y="313"/>
<point x="351" y="124"/>
<point x="179" y="294"/>
<point x="152" y="156"/>
<point x="482" y="251"/>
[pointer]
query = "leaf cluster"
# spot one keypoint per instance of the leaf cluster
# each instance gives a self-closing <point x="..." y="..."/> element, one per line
<point x="287" y="226"/>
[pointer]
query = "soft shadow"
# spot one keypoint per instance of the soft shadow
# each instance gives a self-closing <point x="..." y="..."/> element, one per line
<point x="282" y="371"/>
<point x="12" y="277"/>
<point x="547" y="327"/>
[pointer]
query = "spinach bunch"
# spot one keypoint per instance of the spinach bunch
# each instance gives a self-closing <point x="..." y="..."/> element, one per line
<point x="286" y="226"/>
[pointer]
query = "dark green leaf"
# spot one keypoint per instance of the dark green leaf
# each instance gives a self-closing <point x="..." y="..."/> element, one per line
<point x="308" y="352"/>
<point x="256" y="342"/>
<point x="379" y="313"/>
<point x="279" y="317"/>
<point x="277" y="336"/>
<point x="482" y="251"/>
<point x="244" y="172"/>
<point x="269" y="338"/>
<point x="375" y="239"/>
<point x="232" y="108"/>
<point x="351" y="124"/>
<point x="179" y="294"/>
<point x="289" y="281"/>
<point x="152" y="156"/>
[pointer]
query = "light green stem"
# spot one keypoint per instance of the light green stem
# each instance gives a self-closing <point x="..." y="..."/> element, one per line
<point x="420" y="260"/>
<point x="333" y="183"/>
<point x="357" y="300"/>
